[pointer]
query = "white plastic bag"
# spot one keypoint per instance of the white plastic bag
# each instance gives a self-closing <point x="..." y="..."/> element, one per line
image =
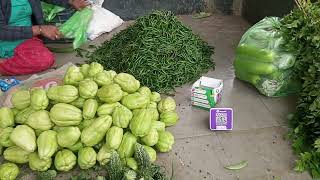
<point x="96" y="2"/>
<point x="102" y="21"/>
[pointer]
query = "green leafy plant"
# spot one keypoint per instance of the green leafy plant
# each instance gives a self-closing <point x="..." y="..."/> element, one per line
<point x="301" y="31"/>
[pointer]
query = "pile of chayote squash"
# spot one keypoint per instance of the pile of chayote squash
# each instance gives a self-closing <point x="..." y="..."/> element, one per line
<point x="81" y="122"/>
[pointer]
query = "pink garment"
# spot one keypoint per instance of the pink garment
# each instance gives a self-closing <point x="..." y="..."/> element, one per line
<point x="29" y="57"/>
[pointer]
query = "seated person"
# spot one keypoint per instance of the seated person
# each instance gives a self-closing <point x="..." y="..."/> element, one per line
<point x="21" y="22"/>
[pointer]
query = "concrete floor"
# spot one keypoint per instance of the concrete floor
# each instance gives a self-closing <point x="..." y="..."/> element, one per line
<point x="259" y="122"/>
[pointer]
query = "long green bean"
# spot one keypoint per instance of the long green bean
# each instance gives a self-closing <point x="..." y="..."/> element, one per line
<point x="158" y="50"/>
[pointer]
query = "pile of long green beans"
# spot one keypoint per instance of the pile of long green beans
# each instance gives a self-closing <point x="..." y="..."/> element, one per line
<point x="159" y="51"/>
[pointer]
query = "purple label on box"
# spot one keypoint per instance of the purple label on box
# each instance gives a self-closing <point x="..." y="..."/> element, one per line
<point x="221" y="119"/>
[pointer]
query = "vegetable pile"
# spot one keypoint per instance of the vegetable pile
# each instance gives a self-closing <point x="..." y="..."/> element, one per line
<point x="301" y="31"/>
<point x="159" y="50"/>
<point x="95" y="116"/>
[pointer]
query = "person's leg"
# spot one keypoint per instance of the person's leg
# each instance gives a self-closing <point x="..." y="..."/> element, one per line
<point x="29" y="57"/>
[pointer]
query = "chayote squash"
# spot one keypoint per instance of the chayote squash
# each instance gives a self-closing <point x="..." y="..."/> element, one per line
<point x="167" y="104"/>
<point x="23" y="115"/>
<point x="127" y="146"/>
<point x="16" y="154"/>
<point x="135" y="101"/>
<point x="39" y="120"/>
<point x="151" y="138"/>
<point x="158" y="125"/>
<point x="84" y="69"/>
<point x="152" y="105"/>
<point x="9" y="171"/>
<point x="125" y="94"/>
<point x="110" y="94"/>
<point x="121" y="116"/>
<point x="104" y="155"/>
<point x="165" y="142"/>
<point x="87" y="158"/>
<point x="15" y="111"/>
<point x="90" y="107"/>
<point x="37" y="164"/>
<point x="38" y="132"/>
<point x="151" y="152"/>
<point x="63" y="94"/>
<point x="104" y="78"/>
<point x="39" y="99"/>
<point x="73" y="76"/>
<point x="114" y="137"/>
<point x="85" y="123"/>
<point x="88" y="89"/>
<point x="6" y="117"/>
<point x="154" y="114"/>
<point x="94" y="69"/>
<point x="145" y="91"/>
<point x="170" y="118"/>
<point x="76" y="147"/>
<point x="5" y="137"/>
<point x="63" y="114"/>
<point x="21" y="99"/>
<point x="68" y="136"/>
<point x="107" y="109"/>
<point x="65" y="160"/>
<point x="47" y="144"/>
<point x="94" y="133"/>
<point x="24" y="137"/>
<point x="140" y="124"/>
<point x="132" y="163"/>
<point x="127" y="82"/>
<point x="155" y="97"/>
<point x="78" y="102"/>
